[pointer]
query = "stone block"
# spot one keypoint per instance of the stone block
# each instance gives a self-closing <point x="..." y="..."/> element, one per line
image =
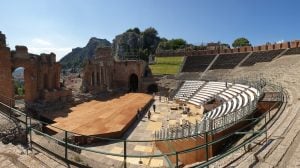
<point x="285" y="45"/>
<point x="256" y="48"/>
<point x="271" y="46"/>
<point x="2" y="40"/>
<point x="294" y="44"/>
<point x="21" y="52"/>
<point x="278" y="46"/>
<point x="263" y="47"/>
<point x="236" y="50"/>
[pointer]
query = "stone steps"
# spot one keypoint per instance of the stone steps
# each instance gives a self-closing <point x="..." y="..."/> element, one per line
<point x="15" y="156"/>
<point x="284" y="150"/>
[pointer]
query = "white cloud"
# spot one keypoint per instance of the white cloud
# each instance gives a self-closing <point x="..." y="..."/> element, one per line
<point x="40" y="45"/>
<point x="59" y="51"/>
<point x="41" y="42"/>
<point x="280" y="41"/>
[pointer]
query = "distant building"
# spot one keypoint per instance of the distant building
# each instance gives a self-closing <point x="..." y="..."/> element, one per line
<point x="217" y="46"/>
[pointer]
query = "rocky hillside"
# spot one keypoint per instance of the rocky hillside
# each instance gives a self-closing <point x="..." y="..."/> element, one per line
<point x="135" y="44"/>
<point x="132" y="44"/>
<point x="75" y="59"/>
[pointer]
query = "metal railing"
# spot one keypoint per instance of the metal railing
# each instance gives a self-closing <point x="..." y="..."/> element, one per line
<point x="67" y="149"/>
<point x="223" y="122"/>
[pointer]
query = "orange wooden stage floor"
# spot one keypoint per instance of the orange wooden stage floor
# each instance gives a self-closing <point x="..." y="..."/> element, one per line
<point x="109" y="118"/>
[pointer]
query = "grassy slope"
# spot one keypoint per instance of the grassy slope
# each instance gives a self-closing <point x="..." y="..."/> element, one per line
<point x="166" y="65"/>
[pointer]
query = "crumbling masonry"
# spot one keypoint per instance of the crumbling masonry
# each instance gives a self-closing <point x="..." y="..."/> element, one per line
<point x="41" y="75"/>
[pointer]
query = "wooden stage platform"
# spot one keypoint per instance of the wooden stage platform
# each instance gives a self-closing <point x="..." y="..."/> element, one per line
<point x="109" y="118"/>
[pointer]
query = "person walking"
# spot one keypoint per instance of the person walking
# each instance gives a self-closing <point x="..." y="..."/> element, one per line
<point x="154" y="106"/>
<point x="138" y="114"/>
<point x="149" y="115"/>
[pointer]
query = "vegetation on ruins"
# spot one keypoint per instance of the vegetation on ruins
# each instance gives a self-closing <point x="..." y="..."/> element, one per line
<point x="19" y="88"/>
<point x="240" y="42"/>
<point x="172" y="44"/>
<point x="18" y="76"/>
<point x="135" y="44"/>
<point x="166" y="65"/>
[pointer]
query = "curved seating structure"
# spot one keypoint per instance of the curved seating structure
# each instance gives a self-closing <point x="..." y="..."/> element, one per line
<point x="188" y="89"/>
<point x="208" y="92"/>
<point x="239" y="100"/>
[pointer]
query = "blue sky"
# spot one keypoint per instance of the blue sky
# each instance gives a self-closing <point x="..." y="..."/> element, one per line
<point x="60" y="25"/>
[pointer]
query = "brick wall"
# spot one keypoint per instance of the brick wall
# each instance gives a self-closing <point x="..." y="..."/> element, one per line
<point x="267" y="47"/>
<point x="41" y="74"/>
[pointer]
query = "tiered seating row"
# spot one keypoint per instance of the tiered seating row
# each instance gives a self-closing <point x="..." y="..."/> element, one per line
<point x="293" y="51"/>
<point x="228" y="61"/>
<point x="262" y="56"/>
<point x="208" y="92"/>
<point x="239" y="101"/>
<point x="197" y="63"/>
<point x="188" y="89"/>
<point x="236" y="97"/>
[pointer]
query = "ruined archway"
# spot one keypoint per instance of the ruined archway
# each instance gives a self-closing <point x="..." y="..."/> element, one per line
<point x="41" y="77"/>
<point x="133" y="83"/>
<point x="18" y="86"/>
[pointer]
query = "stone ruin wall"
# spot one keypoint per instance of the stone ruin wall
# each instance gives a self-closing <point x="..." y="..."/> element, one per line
<point x="124" y="69"/>
<point x="41" y="75"/>
<point x="104" y="73"/>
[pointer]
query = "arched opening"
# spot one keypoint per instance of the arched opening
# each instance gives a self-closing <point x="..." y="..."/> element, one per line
<point x="153" y="88"/>
<point x="19" y="87"/>
<point x="133" y="83"/>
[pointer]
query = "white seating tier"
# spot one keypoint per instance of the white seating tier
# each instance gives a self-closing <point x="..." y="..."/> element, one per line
<point x="235" y="96"/>
<point x="188" y="89"/>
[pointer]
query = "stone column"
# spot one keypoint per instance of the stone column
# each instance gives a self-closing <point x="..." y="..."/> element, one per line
<point x="6" y="81"/>
<point x="50" y="77"/>
<point x="95" y="76"/>
<point x="57" y="76"/>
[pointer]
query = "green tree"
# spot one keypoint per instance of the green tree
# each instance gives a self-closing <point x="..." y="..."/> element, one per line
<point x="150" y="39"/>
<point x="172" y="44"/>
<point x="177" y="43"/>
<point x="151" y="32"/>
<point x="135" y="30"/>
<point x="163" y="39"/>
<point x="268" y="43"/>
<point x="20" y="91"/>
<point x="16" y="87"/>
<point x="225" y="45"/>
<point x="133" y="42"/>
<point x="240" y="42"/>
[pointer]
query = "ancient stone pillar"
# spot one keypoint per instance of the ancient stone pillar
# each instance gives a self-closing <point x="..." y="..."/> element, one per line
<point x="2" y="40"/>
<point x="6" y="81"/>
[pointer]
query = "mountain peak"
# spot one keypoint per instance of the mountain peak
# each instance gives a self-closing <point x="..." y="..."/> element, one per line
<point x="76" y="57"/>
<point x="97" y="40"/>
<point x="92" y="39"/>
